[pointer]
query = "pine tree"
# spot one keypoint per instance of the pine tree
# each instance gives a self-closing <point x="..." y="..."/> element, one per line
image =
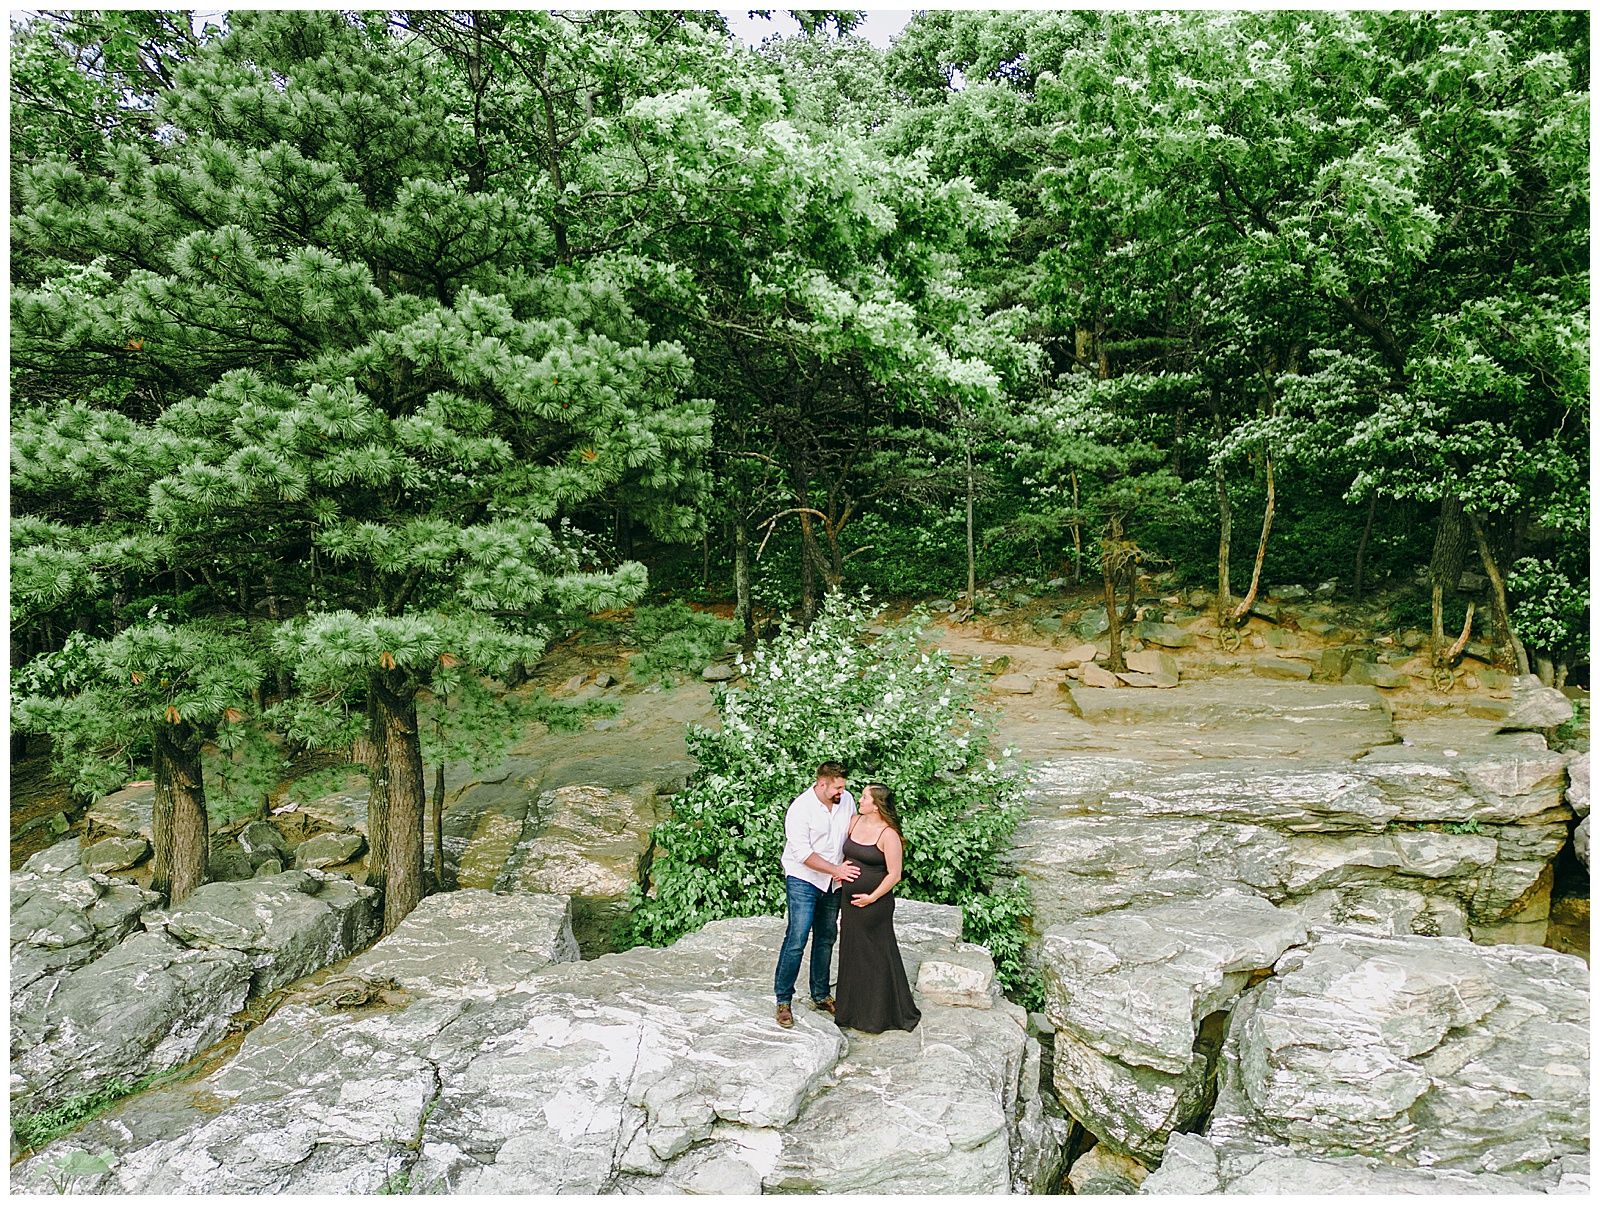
<point x="376" y="359"/>
<point x="153" y="694"/>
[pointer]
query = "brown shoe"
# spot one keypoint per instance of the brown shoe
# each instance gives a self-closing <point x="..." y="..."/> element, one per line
<point x="786" y="1016"/>
<point x="823" y="1006"/>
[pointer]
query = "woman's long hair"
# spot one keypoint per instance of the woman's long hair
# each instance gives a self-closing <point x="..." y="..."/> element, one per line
<point x="884" y="798"/>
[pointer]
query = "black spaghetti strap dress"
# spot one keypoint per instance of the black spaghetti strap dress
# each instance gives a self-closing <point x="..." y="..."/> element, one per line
<point x="872" y="994"/>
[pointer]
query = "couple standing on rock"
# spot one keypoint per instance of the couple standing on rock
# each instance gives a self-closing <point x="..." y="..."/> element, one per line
<point x="835" y="854"/>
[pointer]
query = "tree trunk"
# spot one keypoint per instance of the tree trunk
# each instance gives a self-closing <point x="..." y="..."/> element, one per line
<point x="374" y="752"/>
<point x="178" y="821"/>
<point x="1224" y="547"/>
<point x="1497" y="595"/>
<point x="438" y="827"/>
<point x="1249" y="600"/>
<point x="1130" y="571"/>
<point x="808" y="575"/>
<point x="972" y="544"/>
<point x="1545" y="668"/>
<point x="829" y="561"/>
<point x="1110" y="564"/>
<point x="1361" y="548"/>
<point x="408" y="793"/>
<point x="1444" y="569"/>
<point x="1077" y="533"/>
<point x="277" y="617"/>
<point x="741" y="582"/>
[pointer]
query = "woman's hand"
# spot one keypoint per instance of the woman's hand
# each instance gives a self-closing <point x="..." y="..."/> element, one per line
<point x="862" y="900"/>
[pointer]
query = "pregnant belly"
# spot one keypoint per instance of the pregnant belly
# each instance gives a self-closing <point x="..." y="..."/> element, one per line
<point x="867" y="881"/>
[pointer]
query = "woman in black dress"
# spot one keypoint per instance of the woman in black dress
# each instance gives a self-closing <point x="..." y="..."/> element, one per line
<point x="873" y="993"/>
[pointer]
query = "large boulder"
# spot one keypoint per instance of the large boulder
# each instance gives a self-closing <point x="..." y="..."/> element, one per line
<point x="1373" y="673"/>
<point x="473" y="943"/>
<point x="580" y="840"/>
<point x="1578" y="783"/>
<point x="115" y="853"/>
<point x="1580" y="841"/>
<point x="1165" y="634"/>
<point x="585" y="839"/>
<point x="288" y="924"/>
<point x="148" y="1005"/>
<point x="62" y="918"/>
<point x="1535" y="705"/>
<point x="1138" y="999"/>
<point x="1417" y="1051"/>
<point x="328" y="849"/>
<point x="262" y="842"/>
<point x="645" y="1071"/>
<point x="124" y="813"/>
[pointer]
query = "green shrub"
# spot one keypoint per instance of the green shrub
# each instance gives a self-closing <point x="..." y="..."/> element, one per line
<point x="676" y="639"/>
<point x="891" y="710"/>
<point x="1551" y="614"/>
<point x="33" y="1130"/>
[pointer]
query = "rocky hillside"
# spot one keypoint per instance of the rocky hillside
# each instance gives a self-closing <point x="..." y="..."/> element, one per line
<point x="1293" y="932"/>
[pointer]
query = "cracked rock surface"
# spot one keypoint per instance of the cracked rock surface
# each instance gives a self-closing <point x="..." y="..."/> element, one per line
<point x="1450" y="832"/>
<point x="1129" y="993"/>
<point x="646" y="1071"/>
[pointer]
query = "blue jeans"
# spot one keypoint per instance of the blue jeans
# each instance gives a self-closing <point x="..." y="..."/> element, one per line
<point x="814" y="913"/>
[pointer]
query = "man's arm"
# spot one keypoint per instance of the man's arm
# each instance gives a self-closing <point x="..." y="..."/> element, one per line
<point x="844" y="872"/>
<point x="797" y="841"/>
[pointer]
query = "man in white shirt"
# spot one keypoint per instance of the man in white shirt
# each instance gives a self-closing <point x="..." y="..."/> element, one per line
<point x="814" y="829"/>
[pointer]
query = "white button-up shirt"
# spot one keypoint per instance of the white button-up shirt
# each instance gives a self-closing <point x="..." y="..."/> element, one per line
<point x="812" y="827"/>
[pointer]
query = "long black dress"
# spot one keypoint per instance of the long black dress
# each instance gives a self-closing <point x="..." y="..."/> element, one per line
<point x="873" y="993"/>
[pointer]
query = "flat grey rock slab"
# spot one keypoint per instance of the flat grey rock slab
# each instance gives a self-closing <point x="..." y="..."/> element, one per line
<point x="1354" y="714"/>
<point x="645" y="1071"/>
<point x="473" y="943"/>
<point x="1195" y="1166"/>
<point x="1282" y="669"/>
<point x="926" y="1110"/>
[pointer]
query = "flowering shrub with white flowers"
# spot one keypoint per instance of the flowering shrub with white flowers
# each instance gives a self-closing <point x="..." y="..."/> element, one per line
<point x="893" y="711"/>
